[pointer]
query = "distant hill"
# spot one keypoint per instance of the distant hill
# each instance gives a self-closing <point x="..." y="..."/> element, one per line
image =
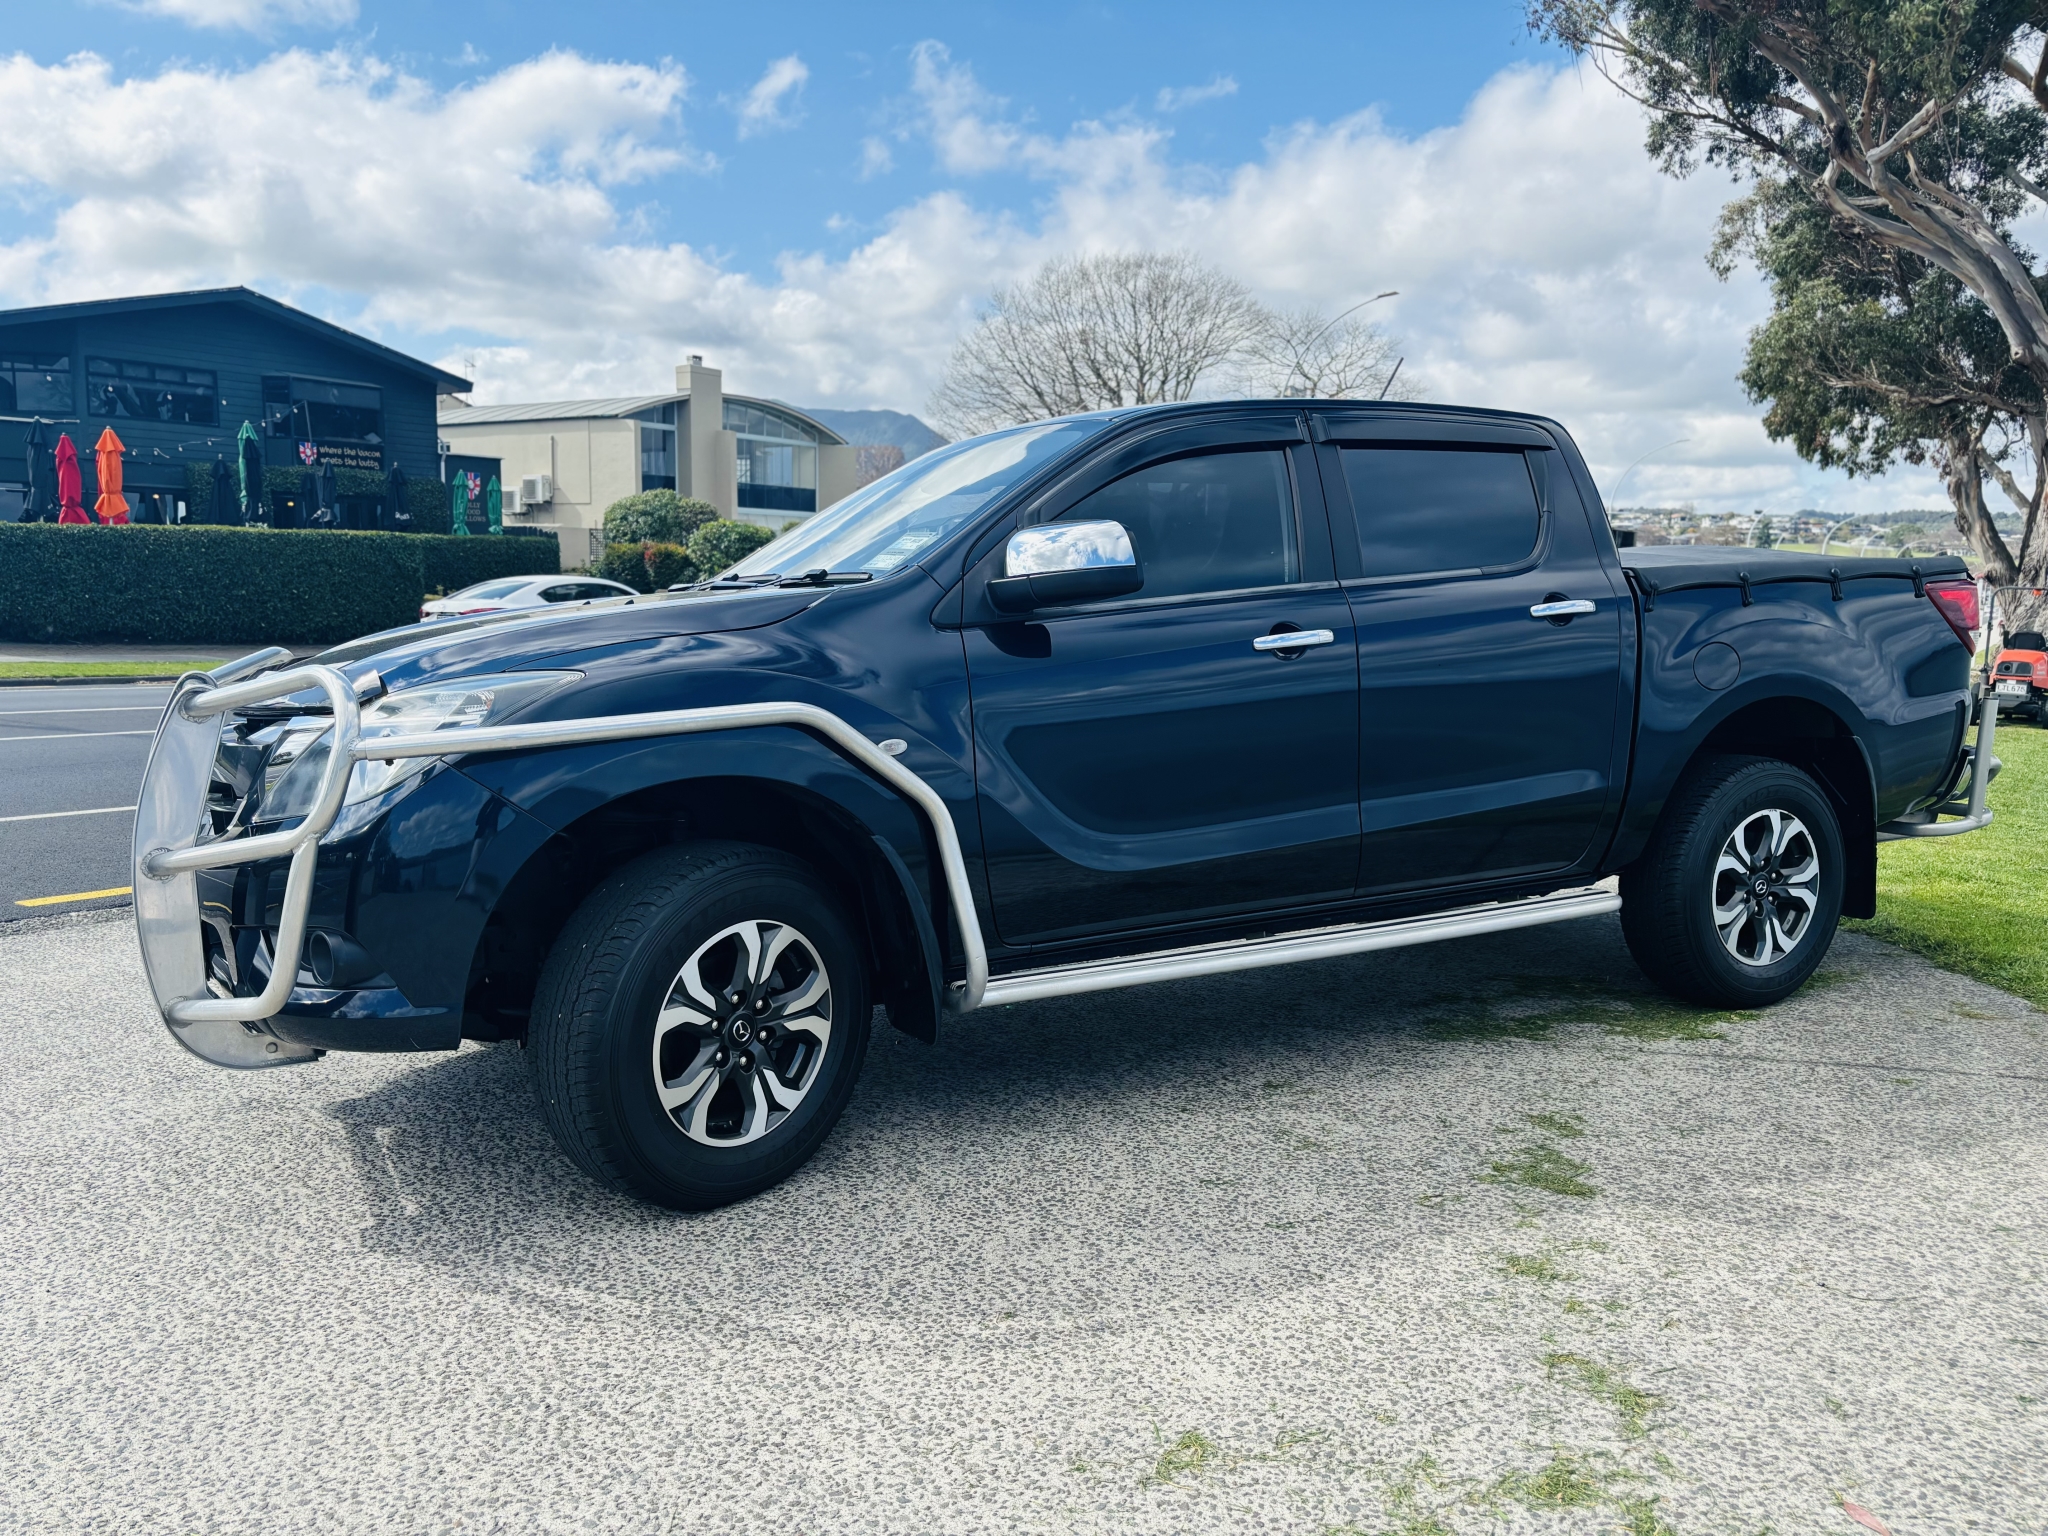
<point x="875" y="428"/>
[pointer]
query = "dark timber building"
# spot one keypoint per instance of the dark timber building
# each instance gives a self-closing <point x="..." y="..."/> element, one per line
<point x="176" y="374"/>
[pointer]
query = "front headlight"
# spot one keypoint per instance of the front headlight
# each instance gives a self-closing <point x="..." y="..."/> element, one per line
<point x="292" y="782"/>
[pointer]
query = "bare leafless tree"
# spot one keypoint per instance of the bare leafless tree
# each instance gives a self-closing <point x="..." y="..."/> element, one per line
<point x="1091" y="333"/>
<point x="1305" y="354"/>
<point x="871" y="461"/>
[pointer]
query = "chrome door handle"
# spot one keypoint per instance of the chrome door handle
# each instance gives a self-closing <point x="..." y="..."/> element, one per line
<point x="1294" y="639"/>
<point x="1562" y="610"/>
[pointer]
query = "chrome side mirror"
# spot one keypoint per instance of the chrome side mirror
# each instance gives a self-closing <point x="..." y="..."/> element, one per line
<point x="1053" y="564"/>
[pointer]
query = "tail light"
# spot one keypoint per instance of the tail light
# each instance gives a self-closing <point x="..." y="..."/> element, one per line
<point x="423" y="613"/>
<point x="1957" y="602"/>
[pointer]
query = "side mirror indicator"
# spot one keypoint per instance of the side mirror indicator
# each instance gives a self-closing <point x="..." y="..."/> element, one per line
<point x="1059" y="563"/>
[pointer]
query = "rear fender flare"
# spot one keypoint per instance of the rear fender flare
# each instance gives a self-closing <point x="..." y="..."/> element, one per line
<point x="1850" y="783"/>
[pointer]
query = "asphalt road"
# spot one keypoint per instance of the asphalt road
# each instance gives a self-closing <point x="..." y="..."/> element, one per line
<point x="64" y="751"/>
<point x="1473" y="1238"/>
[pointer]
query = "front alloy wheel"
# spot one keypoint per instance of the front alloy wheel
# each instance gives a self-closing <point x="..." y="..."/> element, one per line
<point x="699" y="1024"/>
<point x="743" y="1034"/>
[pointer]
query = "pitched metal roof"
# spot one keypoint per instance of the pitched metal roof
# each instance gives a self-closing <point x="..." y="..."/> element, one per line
<point x="443" y="380"/>
<point x="625" y="405"/>
<point x="554" y="410"/>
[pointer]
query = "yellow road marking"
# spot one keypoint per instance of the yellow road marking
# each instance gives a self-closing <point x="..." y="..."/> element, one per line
<point x="51" y="901"/>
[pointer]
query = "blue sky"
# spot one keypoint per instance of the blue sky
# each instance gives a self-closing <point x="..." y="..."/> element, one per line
<point x="565" y="199"/>
<point x="799" y="181"/>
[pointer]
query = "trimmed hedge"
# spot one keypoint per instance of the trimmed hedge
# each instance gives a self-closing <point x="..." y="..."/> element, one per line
<point x="200" y="586"/>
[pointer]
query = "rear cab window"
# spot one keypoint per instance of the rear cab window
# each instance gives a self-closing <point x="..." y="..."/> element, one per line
<point x="1455" y="507"/>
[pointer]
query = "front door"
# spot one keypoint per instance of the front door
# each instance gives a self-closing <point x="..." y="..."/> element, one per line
<point x="1491" y="743"/>
<point x="1138" y="761"/>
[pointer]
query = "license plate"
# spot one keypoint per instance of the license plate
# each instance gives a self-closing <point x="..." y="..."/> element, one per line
<point x="2017" y="690"/>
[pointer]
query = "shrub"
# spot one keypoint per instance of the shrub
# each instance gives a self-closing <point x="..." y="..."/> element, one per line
<point x="648" y="566"/>
<point x="198" y="586"/>
<point x="655" y="517"/>
<point x="719" y="545"/>
<point x="667" y="564"/>
<point x="624" y="563"/>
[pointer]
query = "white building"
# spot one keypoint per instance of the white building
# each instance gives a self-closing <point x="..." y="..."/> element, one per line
<point x="563" y="462"/>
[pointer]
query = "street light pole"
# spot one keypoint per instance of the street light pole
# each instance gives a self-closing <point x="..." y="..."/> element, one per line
<point x="1616" y="493"/>
<point x="1328" y="325"/>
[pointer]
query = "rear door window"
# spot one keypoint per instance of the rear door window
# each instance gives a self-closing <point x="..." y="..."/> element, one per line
<point x="1211" y="522"/>
<point x="1440" y="509"/>
<point x="567" y="593"/>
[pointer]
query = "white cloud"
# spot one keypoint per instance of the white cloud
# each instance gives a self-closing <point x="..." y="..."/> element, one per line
<point x="1177" y="98"/>
<point x="771" y="103"/>
<point x="1543" y="263"/>
<point x="875" y="158"/>
<point x="251" y="15"/>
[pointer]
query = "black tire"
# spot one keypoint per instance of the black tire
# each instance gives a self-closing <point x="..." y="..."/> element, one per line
<point x="1669" y="895"/>
<point x="616" y="972"/>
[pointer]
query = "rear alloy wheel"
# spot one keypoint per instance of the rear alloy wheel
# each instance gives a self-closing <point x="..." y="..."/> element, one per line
<point x="699" y="1024"/>
<point x="1736" y="899"/>
<point x="1766" y="888"/>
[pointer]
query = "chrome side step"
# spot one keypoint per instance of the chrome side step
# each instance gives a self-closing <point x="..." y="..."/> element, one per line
<point x="1312" y="944"/>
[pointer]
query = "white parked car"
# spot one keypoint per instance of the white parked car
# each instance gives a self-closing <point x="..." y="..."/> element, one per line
<point x="511" y="592"/>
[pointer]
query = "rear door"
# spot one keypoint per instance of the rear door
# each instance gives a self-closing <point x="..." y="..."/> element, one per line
<point x="1492" y="738"/>
<point x="1138" y="761"/>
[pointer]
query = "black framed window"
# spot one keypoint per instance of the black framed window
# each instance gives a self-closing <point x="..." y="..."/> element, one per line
<point x="324" y="410"/>
<point x="1441" y="509"/>
<point x="35" y="384"/>
<point x="131" y="391"/>
<point x="1211" y="522"/>
<point x="657" y="458"/>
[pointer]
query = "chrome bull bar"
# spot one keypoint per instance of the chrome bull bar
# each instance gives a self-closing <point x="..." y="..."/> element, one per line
<point x="171" y="815"/>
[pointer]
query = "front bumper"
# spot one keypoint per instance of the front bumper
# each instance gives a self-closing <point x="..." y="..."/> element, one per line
<point x="284" y="1023"/>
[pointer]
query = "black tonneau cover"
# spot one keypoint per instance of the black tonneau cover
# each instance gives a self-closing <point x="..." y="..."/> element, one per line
<point x="1658" y="568"/>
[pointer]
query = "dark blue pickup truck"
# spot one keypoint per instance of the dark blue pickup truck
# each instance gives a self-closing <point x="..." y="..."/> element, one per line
<point x="1085" y="704"/>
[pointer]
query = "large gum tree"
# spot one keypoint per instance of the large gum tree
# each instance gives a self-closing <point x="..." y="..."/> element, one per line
<point x="1890" y="148"/>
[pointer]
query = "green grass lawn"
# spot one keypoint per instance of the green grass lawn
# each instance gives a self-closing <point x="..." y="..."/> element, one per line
<point x="103" y="668"/>
<point x="1979" y="903"/>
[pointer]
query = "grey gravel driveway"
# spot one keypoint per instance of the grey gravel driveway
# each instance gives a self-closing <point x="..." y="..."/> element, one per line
<point x="1472" y="1238"/>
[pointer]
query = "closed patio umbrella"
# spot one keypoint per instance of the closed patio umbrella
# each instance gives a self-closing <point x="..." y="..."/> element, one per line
<point x="249" y="462"/>
<point x="397" y="517"/>
<point x="221" y="506"/>
<point x="111" y="505"/>
<point x="42" y="488"/>
<point x="70" y="486"/>
<point x="458" y="505"/>
<point x="494" y="506"/>
<point x="324" y="514"/>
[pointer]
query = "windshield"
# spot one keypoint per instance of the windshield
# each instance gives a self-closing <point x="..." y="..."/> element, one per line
<point x="889" y="523"/>
<point x="494" y="588"/>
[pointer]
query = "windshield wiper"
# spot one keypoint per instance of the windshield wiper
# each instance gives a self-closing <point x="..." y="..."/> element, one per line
<point x="825" y="578"/>
<point x="729" y="583"/>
